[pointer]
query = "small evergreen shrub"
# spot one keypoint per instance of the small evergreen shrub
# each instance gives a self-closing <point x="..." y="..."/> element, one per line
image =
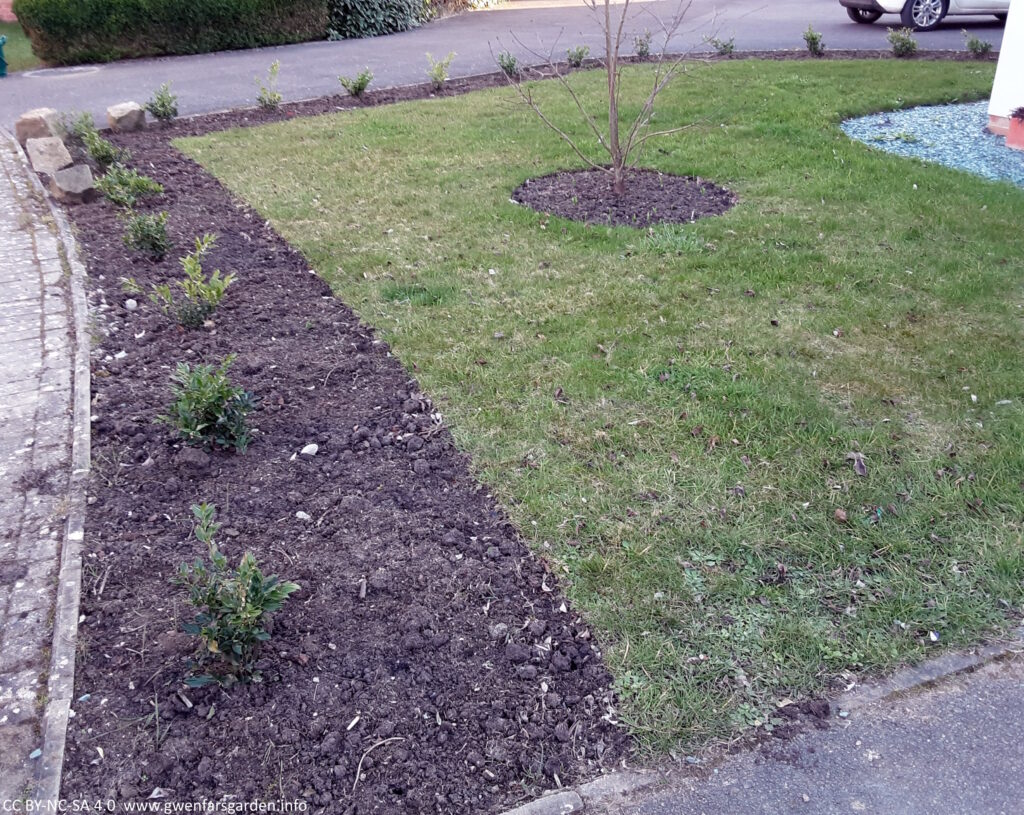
<point x="201" y="295"/>
<point x="814" y="42"/>
<point x="147" y="233"/>
<point x="508" y="64"/>
<point x="208" y="410"/>
<point x="642" y="44"/>
<point x="83" y="130"/>
<point x="124" y="187"/>
<point x="268" y="97"/>
<point x="577" y="56"/>
<point x="437" y="69"/>
<point x="902" y="41"/>
<point x="977" y="47"/>
<point x="357" y="86"/>
<point x="164" y="105"/>
<point x="231" y="605"/>
<point x="722" y="47"/>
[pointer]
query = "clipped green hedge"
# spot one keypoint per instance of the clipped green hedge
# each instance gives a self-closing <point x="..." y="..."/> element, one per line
<point x="352" y="19"/>
<point x="72" y="31"/>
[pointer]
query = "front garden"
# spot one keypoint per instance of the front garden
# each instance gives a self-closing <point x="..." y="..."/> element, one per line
<point x="728" y="465"/>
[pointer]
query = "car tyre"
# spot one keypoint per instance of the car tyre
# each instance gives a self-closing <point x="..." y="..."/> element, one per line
<point x="863" y="16"/>
<point x="924" y="15"/>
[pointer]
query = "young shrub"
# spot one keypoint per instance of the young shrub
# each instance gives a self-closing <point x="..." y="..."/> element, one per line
<point x="508" y="64"/>
<point x="147" y="233"/>
<point x="106" y="155"/>
<point x="815" y="44"/>
<point x="357" y="87"/>
<point x="722" y="47"/>
<point x="164" y="104"/>
<point x="577" y="56"/>
<point x="231" y="605"/>
<point x="208" y="410"/>
<point x="268" y="97"/>
<point x="902" y="41"/>
<point x="438" y="69"/>
<point x="124" y="187"/>
<point x="977" y="47"/>
<point x="202" y="295"/>
<point x="642" y="45"/>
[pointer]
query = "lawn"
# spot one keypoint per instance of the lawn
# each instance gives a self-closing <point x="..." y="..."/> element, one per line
<point x="18" y="51"/>
<point x="676" y="419"/>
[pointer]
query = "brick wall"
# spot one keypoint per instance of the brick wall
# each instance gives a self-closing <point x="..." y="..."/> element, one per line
<point x="5" y="11"/>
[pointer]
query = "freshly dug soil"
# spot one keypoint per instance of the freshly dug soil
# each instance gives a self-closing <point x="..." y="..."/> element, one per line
<point x="650" y="198"/>
<point x="426" y="642"/>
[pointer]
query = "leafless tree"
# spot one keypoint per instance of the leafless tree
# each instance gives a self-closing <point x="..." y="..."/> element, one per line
<point x="622" y="144"/>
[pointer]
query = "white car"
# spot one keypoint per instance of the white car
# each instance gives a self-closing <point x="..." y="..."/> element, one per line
<point x="922" y="15"/>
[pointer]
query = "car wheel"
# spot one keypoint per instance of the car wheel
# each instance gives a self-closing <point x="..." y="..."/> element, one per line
<point x="863" y="15"/>
<point x="924" y="15"/>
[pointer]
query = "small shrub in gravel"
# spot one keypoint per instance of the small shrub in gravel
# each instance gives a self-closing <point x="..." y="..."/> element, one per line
<point x="437" y="69"/>
<point x="977" y="47"/>
<point x="231" y="605"/>
<point x="164" y="104"/>
<point x="577" y="56"/>
<point x="147" y="233"/>
<point x="207" y="409"/>
<point x="268" y="97"/>
<point x="202" y="295"/>
<point x="642" y="44"/>
<point x="124" y="187"/>
<point x="902" y="41"/>
<point x="815" y="44"/>
<point x="356" y="86"/>
<point x="508" y="63"/>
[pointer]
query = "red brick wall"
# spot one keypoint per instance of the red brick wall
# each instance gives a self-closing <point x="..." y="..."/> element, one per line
<point x="5" y="11"/>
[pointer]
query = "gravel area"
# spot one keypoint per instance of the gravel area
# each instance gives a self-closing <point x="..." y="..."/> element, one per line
<point x="953" y="135"/>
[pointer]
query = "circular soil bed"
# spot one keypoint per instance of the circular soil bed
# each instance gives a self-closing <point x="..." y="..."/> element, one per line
<point x="650" y="198"/>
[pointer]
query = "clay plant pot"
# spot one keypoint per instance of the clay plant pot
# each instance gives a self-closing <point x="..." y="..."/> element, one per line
<point x="1015" y="136"/>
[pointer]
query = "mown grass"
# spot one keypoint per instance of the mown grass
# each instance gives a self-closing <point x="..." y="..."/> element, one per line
<point x="18" y="50"/>
<point x="671" y="417"/>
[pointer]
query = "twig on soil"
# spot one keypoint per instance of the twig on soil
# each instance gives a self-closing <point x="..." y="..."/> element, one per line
<point x="371" y="748"/>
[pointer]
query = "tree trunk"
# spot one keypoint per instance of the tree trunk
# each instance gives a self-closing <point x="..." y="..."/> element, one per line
<point x="611" y="61"/>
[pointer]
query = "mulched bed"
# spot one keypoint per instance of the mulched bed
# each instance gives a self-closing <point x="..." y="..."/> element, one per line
<point x="425" y="631"/>
<point x="650" y="198"/>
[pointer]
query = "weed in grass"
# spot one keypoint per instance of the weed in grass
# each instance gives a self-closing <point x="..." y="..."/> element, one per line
<point x="268" y="96"/>
<point x="722" y="47"/>
<point x="976" y="47"/>
<point x="438" y="70"/>
<point x="672" y="239"/>
<point x="577" y="56"/>
<point x="207" y="409"/>
<point x="124" y="187"/>
<point x="508" y="63"/>
<point x="416" y="294"/>
<point x="147" y="233"/>
<point x="674" y="454"/>
<point x="814" y="42"/>
<point x="902" y="41"/>
<point x="163" y="106"/>
<point x="642" y="44"/>
<point x="232" y="606"/>
<point x="356" y="86"/>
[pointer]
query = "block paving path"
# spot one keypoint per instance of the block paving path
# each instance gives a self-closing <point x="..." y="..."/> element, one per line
<point x="35" y="443"/>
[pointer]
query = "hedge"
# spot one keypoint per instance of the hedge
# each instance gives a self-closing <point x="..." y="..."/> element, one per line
<point x="72" y="31"/>
<point x="352" y="19"/>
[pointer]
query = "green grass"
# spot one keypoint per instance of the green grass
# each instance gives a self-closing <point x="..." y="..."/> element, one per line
<point x="676" y="455"/>
<point x="18" y="51"/>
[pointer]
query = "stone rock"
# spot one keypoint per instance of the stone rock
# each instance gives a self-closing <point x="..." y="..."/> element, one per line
<point x="126" y="117"/>
<point x="41" y="123"/>
<point x="73" y="185"/>
<point x="310" y="450"/>
<point x="48" y="155"/>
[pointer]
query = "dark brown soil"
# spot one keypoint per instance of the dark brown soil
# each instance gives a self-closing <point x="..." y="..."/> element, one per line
<point x="425" y="637"/>
<point x="650" y="198"/>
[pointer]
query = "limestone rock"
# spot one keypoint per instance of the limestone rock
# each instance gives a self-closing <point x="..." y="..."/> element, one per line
<point x="126" y="117"/>
<point x="48" y="155"/>
<point x="73" y="185"/>
<point x="41" y="123"/>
